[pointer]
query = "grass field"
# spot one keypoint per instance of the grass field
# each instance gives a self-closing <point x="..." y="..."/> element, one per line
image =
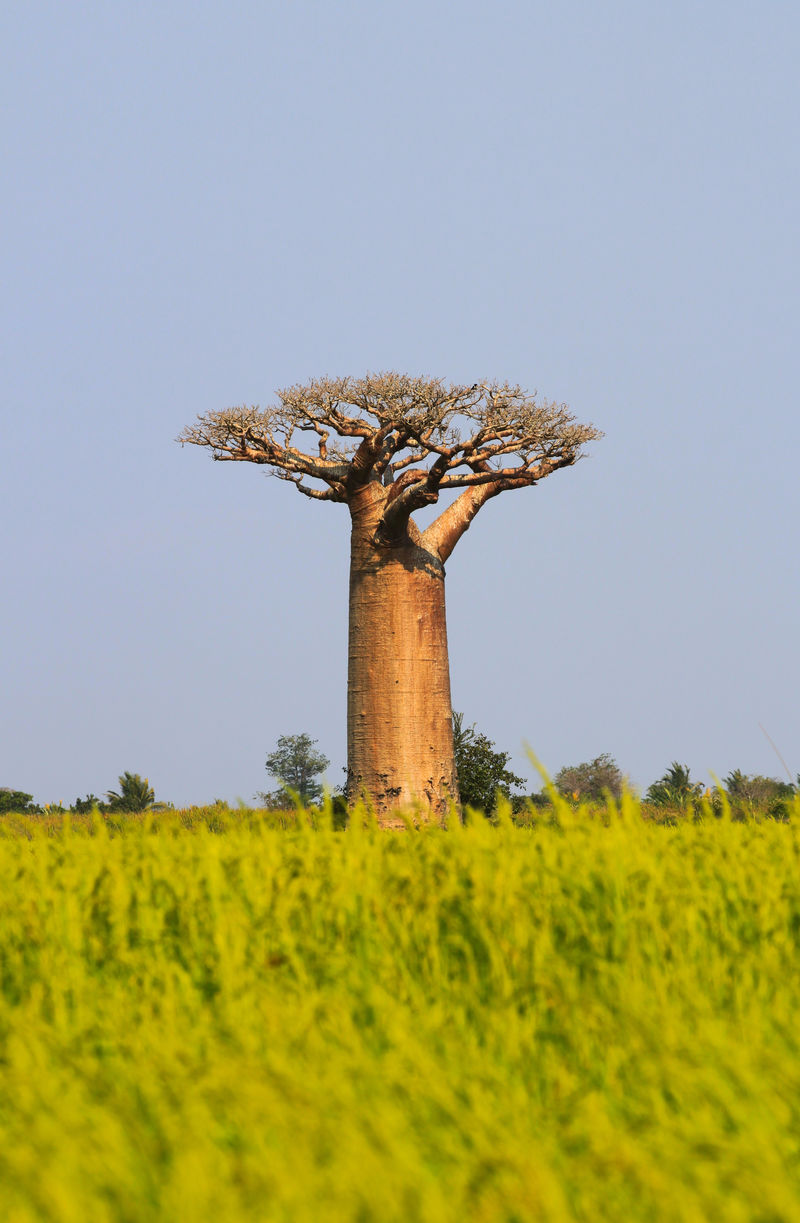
<point x="204" y="1018"/>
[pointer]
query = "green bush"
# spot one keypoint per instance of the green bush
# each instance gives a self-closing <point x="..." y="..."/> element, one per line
<point x="16" y="801"/>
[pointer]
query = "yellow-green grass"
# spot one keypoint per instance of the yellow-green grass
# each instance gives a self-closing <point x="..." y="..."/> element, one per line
<point x="205" y="1018"/>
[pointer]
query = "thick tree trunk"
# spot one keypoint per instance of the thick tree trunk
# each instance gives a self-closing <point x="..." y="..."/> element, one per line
<point x="399" y="714"/>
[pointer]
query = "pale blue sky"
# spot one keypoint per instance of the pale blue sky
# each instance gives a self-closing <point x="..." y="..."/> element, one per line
<point x="203" y="202"/>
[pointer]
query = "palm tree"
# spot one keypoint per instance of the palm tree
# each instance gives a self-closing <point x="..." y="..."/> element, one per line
<point x="675" y="788"/>
<point x="135" y="794"/>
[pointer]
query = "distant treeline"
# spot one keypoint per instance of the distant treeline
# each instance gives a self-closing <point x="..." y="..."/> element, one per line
<point x="484" y="779"/>
<point x="591" y="784"/>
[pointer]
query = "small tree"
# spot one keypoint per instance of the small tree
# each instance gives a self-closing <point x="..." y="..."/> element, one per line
<point x="482" y="770"/>
<point x="17" y="801"/>
<point x="675" y="788"/>
<point x="135" y="794"/>
<point x="752" y="792"/>
<point x="296" y="765"/>
<point x="82" y="806"/>
<point x="593" y="780"/>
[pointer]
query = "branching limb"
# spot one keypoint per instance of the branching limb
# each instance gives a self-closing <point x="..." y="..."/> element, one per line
<point x="316" y="494"/>
<point x="410" y="492"/>
<point x="443" y="534"/>
<point x="384" y="468"/>
<point x="249" y="436"/>
<point x="369" y="453"/>
<point x="510" y="477"/>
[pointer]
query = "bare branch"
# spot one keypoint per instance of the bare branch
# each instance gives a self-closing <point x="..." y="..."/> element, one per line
<point x="444" y="533"/>
<point x="317" y="494"/>
<point x="416" y="435"/>
<point x="251" y="436"/>
<point x="521" y="474"/>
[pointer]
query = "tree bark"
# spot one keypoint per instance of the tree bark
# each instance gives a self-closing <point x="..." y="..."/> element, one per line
<point x="399" y="712"/>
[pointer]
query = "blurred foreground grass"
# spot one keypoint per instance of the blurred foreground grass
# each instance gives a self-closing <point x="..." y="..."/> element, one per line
<point x="205" y="1018"/>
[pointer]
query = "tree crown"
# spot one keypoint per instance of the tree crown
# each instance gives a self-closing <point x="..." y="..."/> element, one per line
<point x="417" y="435"/>
<point x="296" y="764"/>
<point x="592" y="779"/>
<point x="675" y="788"/>
<point x="16" y="800"/>
<point x="135" y="794"/>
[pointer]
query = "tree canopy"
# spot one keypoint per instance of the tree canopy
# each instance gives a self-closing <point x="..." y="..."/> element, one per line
<point x="675" y="788"/>
<point x="748" y="793"/>
<point x="135" y="794"/>
<point x="592" y="780"/>
<point x="16" y="801"/>
<point x="417" y="435"/>
<point x="296" y="765"/>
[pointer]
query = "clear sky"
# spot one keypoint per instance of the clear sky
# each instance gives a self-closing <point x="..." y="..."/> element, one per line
<point x="203" y="202"/>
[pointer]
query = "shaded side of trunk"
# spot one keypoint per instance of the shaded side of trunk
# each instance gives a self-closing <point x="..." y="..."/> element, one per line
<point x="399" y="712"/>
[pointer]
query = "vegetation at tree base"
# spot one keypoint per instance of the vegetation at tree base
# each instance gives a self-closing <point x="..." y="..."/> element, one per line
<point x="483" y="776"/>
<point x="482" y="770"/>
<point x="296" y="765"/>
<point x="592" y="780"/>
<point x="135" y="794"/>
<point x="203" y="1018"/>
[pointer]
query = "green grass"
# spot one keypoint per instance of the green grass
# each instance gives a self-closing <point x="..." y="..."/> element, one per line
<point x="204" y="1018"/>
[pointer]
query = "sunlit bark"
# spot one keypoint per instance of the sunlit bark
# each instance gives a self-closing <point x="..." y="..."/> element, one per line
<point x="399" y="721"/>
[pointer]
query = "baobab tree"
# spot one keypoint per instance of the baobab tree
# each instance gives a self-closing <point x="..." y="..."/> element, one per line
<point x="386" y="446"/>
